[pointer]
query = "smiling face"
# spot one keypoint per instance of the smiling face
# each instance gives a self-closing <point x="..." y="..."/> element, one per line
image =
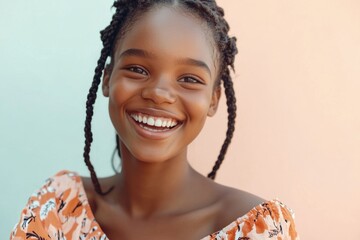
<point x="161" y="85"/>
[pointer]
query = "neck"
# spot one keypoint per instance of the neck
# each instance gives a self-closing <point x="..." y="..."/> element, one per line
<point x="153" y="188"/>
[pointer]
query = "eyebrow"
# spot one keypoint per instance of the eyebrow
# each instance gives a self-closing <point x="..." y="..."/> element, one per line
<point x="136" y="52"/>
<point x="194" y="62"/>
<point x="145" y="54"/>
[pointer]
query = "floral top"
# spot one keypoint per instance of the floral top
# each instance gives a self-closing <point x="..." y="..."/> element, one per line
<point x="60" y="210"/>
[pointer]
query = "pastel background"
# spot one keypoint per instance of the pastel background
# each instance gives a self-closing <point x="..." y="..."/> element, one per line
<point x="297" y="83"/>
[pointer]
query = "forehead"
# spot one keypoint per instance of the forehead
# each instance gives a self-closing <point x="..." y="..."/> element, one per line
<point x="171" y="32"/>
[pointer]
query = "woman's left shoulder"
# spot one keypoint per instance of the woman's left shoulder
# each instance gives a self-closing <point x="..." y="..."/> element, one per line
<point x="252" y="216"/>
<point x="236" y="203"/>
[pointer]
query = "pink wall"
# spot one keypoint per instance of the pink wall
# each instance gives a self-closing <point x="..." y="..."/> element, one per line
<point x="298" y="127"/>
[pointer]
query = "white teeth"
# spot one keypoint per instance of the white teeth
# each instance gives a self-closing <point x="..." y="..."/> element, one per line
<point x="163" y="123"/>
<point x="154" y="129"/>
<point x="151" y="121"/>
<point x="158" y="123"/>
<point x="154" y="121"/>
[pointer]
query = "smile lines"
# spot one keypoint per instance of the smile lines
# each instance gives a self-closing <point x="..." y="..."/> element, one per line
<point x="154" y="121"/>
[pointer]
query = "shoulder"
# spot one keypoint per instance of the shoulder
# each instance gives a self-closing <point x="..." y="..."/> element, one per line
<point x="64" y="185"/>
<point x="253" y="217"/>
<point x="47" y="206"/>
<point x="236" y="203"/>
<point x="57" y="186"/>
<point x="105" y="183"/>
<point x="242" y="214"/>
<point x="64" y="178"/>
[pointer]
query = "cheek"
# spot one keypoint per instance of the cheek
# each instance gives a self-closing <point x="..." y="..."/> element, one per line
<point x="197" y="109"/>
<point x="120" y="89"/>
<point x="119" y="93"/>
<point x="198" y="106"/>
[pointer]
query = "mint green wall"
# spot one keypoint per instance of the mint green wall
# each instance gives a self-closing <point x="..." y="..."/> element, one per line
<point x="48" y="50"/>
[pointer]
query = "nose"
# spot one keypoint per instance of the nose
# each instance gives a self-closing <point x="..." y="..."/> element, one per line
<point x="159" y="91"/>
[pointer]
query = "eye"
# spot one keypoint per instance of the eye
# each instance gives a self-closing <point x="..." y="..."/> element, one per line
<point x="190" y="79"/>
<point x="137" y="69"/>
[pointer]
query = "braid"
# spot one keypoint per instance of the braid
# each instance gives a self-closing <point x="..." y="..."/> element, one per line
<point x="126" y="13"/>
<point x="118" y="151"/>
<point x="91" y="97"/>
<point x="231" y="109"/>
<point x="107" y="37"/>
<point x="118" y="146"/>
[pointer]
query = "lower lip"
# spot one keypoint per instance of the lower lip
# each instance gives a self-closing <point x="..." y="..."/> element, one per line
<point x="152" y="134"/>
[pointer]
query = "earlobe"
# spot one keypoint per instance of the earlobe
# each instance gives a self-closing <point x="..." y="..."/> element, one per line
<point x="214" y="101"/>
<point x="105" y="82"/>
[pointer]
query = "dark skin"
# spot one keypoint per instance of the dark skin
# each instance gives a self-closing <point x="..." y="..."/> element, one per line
<point x="165" y="66"/>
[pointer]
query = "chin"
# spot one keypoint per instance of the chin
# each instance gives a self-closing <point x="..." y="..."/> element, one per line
<point x="152" y="155"/>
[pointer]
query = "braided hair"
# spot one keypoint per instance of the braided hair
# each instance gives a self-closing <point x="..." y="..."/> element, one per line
<point x="126" y="13"/>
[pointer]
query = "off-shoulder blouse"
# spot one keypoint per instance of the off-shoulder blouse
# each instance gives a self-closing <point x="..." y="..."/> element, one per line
<point x="60" y="210"/>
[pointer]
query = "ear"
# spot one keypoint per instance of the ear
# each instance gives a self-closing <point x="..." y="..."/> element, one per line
<point x="105" y="81"/>
<point x="214" y="101"/>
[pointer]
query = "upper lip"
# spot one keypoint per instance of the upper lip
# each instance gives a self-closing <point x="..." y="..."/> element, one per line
<point x="156" y="113"/>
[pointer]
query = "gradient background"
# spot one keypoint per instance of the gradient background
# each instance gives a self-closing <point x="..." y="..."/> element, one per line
<point x="297" y="82"/>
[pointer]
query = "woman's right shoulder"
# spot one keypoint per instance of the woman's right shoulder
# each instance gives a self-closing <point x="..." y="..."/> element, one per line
<point x="57" y="199"/>
<point x="63" y="185"/>
<point x="64" y="174"/>
<point x="61" y="182"/>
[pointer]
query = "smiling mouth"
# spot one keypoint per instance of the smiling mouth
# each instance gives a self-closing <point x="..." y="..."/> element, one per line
<point x="153" y="123"/>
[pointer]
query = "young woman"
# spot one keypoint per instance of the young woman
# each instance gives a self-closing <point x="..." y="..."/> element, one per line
<point x="168" y="59"/>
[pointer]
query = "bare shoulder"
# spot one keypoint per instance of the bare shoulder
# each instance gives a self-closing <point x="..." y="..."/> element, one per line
<point x="90" y="191"/>
<point x="106" y="183"/>
<point x="92" y="196"/>
<point x="235" y="203"/>
<point x="87" y="184"/>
